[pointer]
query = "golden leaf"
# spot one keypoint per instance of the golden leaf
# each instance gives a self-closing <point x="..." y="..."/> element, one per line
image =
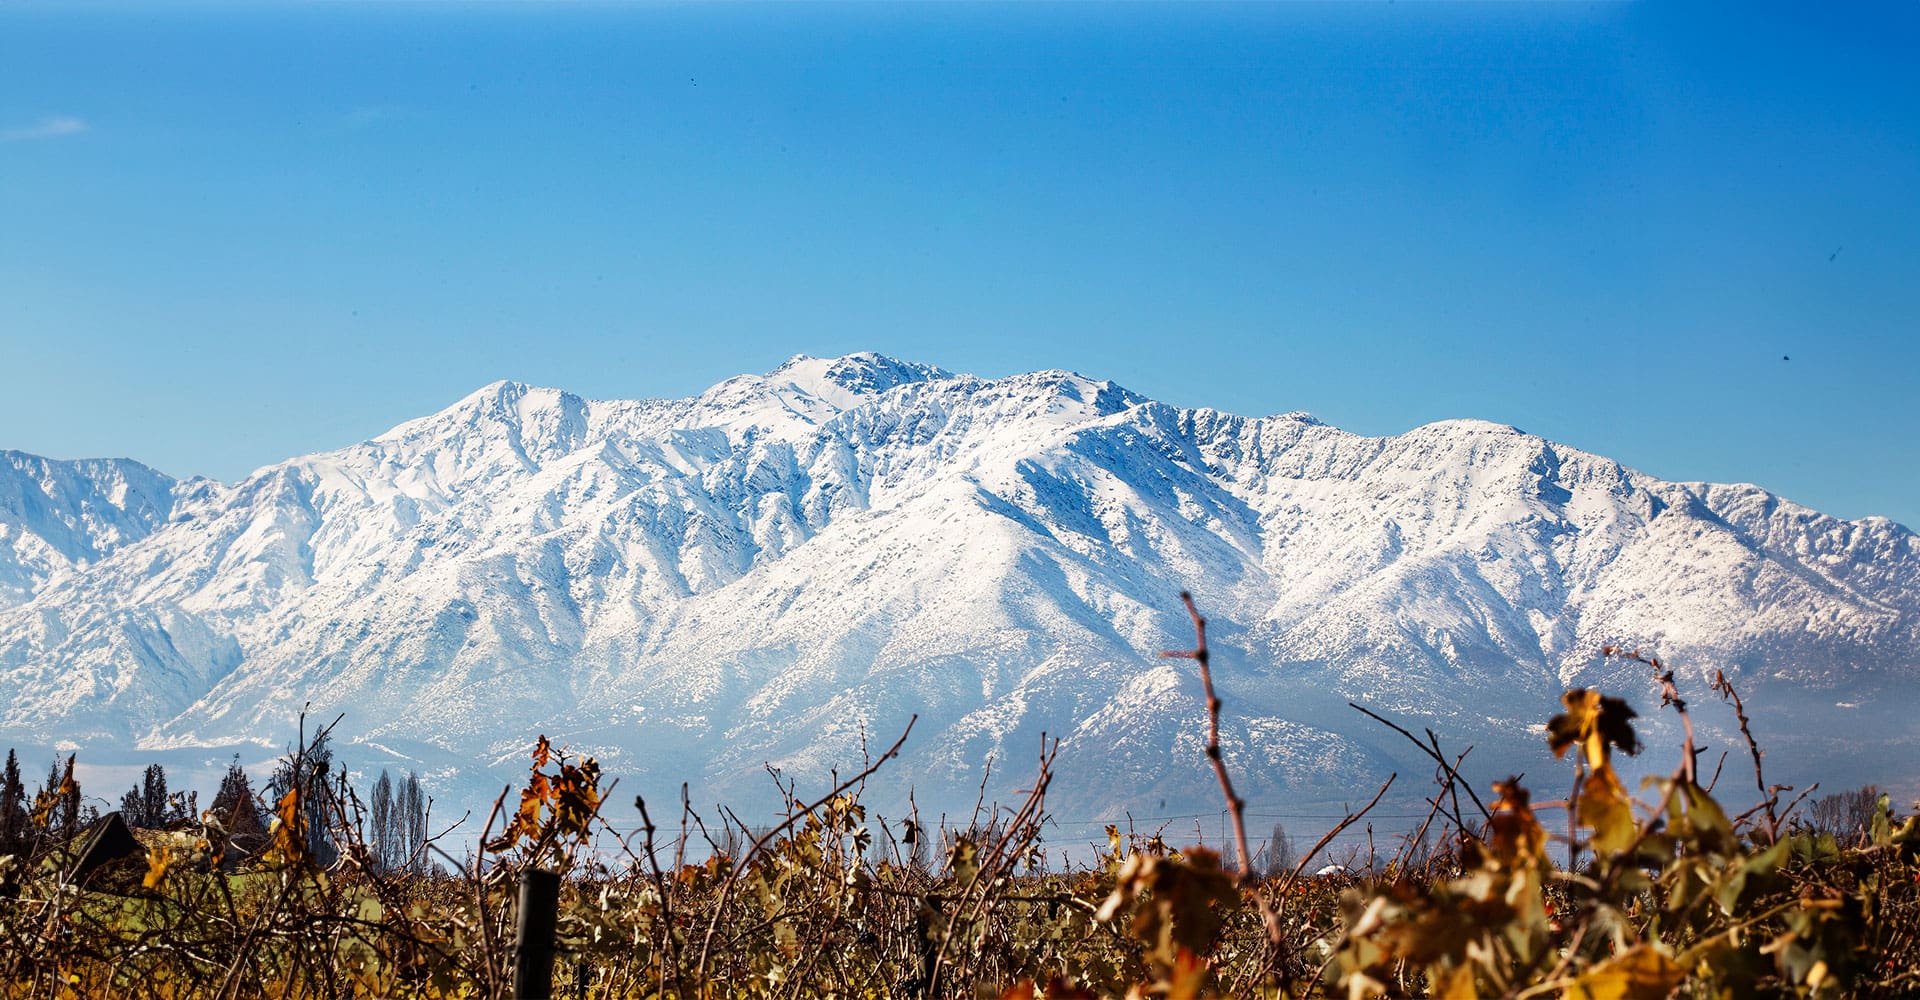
<point x="1188" y="973"/>
<point x="1604" y="809"/>
<point x="1456" y="984"/>
<point x="1594" y="721"/>
<point x="1640" y="973"/>
<point x="1517" y="839"/>
<point x="157" y="861"/>
<point x="290" y="827"/>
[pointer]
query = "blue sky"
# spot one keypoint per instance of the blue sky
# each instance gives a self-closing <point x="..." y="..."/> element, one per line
<point x="230" y="234"/>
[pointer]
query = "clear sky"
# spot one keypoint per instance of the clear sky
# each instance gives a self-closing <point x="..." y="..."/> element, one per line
<point x="230" y="234"/>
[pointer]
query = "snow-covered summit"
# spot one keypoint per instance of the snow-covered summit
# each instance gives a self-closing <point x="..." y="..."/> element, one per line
<point x="845" y="381"/>
<point x="771" y="569"/>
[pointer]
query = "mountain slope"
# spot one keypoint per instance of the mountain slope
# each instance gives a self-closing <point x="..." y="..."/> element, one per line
<point x="57" y="516"/>
<point x="787" y="564"/>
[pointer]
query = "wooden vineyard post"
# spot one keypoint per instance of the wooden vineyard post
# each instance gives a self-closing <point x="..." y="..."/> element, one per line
<point x="533" y="931"/>
<point x="927" y="924"/>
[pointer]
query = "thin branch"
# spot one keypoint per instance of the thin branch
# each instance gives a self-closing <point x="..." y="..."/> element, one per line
<point x="1351" y="818"/>
<point x="1002" y="854"/>
<point x="1235" y="804"/>
<point x="733" y="873"/>
<point x="665" y="951"/>
<point x="1669" y="695"/>
<point x="1452" y="774"/>
<point x="1769" y="797"/>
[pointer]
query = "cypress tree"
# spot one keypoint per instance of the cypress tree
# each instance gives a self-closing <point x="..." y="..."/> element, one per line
<point x="385" y="845"/>
<point x="412" y="813"/>
<point x="153" y="795"/>
<point x="147" y="804"/>
<point x="68" y="812"/>
<point x="47" y="800"/>
<point x="13" y="806"/>
<point x="235" y="809"/>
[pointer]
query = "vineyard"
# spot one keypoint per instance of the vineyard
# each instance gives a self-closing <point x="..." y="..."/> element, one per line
<point x="1666" y="895"/>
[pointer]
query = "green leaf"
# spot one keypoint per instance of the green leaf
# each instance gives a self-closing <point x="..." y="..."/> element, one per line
<point x="1699" y="824"/>
<point x="1727" y="894"/>
<point x="1815" y="848"/>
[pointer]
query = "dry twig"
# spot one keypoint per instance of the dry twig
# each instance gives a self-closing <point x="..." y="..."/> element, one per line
<point x="1235" y="804"/>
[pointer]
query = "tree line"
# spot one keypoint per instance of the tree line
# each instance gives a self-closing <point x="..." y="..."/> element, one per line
<point x="395" y="818"/>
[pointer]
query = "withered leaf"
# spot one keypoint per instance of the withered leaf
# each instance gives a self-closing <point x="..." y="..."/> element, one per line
<point x="1594" y="720"/>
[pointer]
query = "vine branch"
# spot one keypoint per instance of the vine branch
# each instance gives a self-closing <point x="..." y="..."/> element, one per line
<point x="1235" y="804"/>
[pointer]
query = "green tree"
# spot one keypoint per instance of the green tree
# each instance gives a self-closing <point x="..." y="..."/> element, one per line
<point x="234" y="809"/>
<point x="61" y="799"/>
<point x="146" y="804"/>
<point x="13" y="806"/>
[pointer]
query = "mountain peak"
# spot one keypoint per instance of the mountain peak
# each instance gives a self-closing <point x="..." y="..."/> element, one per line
<point x="499" y="401"/>
<point x="500" y="388"/>
<point x="1471" y="426"/>
<point x="862" y="373"/>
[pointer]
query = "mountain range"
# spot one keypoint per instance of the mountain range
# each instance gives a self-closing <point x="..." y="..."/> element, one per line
<point x="783" y="569"/>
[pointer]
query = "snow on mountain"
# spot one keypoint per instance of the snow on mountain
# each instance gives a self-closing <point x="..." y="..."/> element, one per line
<point x="787" y="564"/>
<point x="56" y="515"/>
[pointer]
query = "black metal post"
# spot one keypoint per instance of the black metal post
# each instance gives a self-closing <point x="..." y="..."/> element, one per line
<point x="534" y="926"/>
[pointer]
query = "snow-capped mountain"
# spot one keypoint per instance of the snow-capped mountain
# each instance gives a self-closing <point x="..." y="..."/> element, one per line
<point x="788" y="563"/>
<point x="57" y="516"/>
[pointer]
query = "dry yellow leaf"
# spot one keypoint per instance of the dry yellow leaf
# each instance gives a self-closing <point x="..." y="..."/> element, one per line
<point x="1639" y="973"/>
